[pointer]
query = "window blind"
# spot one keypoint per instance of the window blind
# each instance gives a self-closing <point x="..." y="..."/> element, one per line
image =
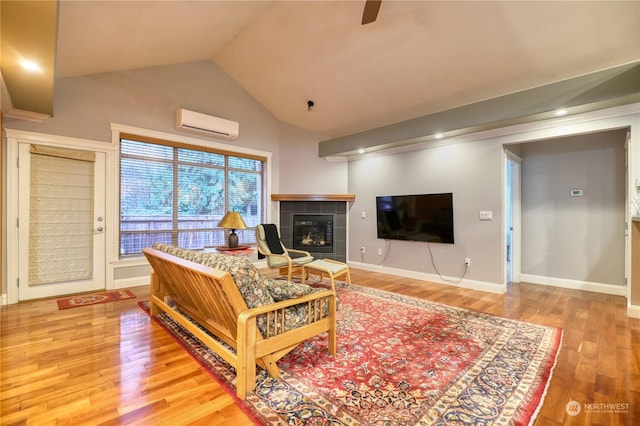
<point x="61" y="215"/>
<point x="177" y="194"/>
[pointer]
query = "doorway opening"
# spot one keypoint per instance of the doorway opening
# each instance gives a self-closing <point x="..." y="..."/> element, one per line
<point x="512" y="216"/>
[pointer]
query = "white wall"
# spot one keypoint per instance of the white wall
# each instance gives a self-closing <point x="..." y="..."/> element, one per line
<point x="575" y="238"/>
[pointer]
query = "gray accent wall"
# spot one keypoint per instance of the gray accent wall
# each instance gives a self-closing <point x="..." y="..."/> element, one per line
<point x="563" y="237"/>
<point x="302" y="171"/>
<point x="471" y="171"/>
<point x="148" y="98"/>
<point x="581" y="237"/>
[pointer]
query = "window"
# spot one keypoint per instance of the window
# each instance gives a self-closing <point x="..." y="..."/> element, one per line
<point x="177" y="194"/>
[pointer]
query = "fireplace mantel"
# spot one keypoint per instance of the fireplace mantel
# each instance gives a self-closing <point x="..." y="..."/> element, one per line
<point x="313" y="197"/>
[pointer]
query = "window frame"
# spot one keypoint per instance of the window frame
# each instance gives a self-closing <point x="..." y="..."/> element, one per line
<point x="198" y="145"/>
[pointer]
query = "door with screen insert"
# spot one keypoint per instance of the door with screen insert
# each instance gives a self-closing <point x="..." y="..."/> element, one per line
<point x="61" y="225"/>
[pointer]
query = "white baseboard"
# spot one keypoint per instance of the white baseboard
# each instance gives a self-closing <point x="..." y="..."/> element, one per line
<point x="131" y="282"/>
<point x="464" y="283"/>
<point x="4" y="300"/>
<point x="616" y="290"/>
<point x="633" y="311"/>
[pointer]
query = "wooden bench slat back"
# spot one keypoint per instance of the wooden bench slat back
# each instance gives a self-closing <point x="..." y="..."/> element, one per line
<point x="208" y="294"/>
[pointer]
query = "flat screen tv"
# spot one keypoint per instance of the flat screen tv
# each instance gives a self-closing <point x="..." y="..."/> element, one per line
<point x="425" y="217"/>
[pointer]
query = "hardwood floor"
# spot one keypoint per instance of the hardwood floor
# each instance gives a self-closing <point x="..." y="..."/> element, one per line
<point x="109" y="364"/>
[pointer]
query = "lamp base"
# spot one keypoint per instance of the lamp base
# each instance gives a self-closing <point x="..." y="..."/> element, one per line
<point x="233" y="239"/>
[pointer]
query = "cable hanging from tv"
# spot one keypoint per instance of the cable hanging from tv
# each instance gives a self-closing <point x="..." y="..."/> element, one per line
<point x="433" y="263"/>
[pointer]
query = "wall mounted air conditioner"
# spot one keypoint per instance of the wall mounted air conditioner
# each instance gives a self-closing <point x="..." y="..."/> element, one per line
<point x="206" y="124"/>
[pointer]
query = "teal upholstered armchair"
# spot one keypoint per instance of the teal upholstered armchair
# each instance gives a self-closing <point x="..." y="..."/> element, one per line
<point x="278" y="256"/>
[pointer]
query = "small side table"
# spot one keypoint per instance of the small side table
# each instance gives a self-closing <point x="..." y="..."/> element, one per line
<point x="227" y="248"/>
<point x="240" y="251"/>
<point x="331" y="267"/>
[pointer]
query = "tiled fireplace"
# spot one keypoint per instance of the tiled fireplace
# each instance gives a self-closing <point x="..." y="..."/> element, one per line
<point x="319" y="227"/>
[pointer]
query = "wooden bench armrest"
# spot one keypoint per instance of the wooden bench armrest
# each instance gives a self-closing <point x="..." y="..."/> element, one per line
<point x="281" y="341"/>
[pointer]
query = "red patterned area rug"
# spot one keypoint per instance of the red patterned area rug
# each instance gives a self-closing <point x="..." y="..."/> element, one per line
<point x="94" y="299"/>
<point x="401" y="361"/>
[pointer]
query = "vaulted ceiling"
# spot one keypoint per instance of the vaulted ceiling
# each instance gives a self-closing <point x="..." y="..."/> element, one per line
<point x="419" y="58"/>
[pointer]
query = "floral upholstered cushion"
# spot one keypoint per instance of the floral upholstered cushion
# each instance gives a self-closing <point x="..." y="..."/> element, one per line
<point x="285" y="290"/>
<point x="191" y="255"/>
<point x="243" y="272"/>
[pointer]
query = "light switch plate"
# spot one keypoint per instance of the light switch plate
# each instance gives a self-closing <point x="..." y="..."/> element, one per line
<point x="486" y="215"/>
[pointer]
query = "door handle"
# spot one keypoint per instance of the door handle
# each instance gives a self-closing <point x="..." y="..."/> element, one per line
<point x="99" y="229"/>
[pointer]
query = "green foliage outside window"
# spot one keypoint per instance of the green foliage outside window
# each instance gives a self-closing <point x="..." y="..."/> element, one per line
<point x="178" y="195"/>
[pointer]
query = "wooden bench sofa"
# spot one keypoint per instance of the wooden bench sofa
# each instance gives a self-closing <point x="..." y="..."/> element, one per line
<point x="227" y="296"/>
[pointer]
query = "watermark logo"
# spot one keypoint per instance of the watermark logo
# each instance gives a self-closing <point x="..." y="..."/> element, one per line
<point x="608" y="407"/>
<point x="573" y="408"/>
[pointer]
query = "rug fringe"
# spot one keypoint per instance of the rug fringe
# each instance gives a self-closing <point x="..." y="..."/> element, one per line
<point x="548" y="375"/>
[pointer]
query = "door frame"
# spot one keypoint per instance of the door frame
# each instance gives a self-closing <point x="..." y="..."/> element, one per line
<point x="513" y="209"/>
<point x="14" y="139"/>
<point x="96" y="281"/>
<point x="628" y="224"/>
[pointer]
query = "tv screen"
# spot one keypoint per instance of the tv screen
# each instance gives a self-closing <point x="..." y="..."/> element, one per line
<point x="425" y="217"/>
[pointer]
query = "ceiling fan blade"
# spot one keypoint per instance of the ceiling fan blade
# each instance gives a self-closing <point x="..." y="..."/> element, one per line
<point x="371" y="8"/>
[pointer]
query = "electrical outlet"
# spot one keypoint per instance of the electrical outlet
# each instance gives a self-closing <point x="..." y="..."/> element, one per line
<point x="467" y="261"/>
<point x="362" y="250"/>
<point x="379" y="252"/>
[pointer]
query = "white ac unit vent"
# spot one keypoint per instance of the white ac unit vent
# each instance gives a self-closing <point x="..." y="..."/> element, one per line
<point x="206" y="124"/>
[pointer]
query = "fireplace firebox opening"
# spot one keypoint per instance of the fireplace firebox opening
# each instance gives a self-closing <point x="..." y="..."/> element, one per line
<point x="313" y="233"/>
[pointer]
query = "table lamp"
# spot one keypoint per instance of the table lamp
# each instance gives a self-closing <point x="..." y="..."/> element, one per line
<point x="233" y="221"/>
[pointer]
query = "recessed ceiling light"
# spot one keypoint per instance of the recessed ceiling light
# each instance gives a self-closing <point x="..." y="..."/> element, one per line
<point x="31" y="66"/>
<point x="439" y="136"/>
<point x="361" y="151"/>
<point x="561" y="112"/>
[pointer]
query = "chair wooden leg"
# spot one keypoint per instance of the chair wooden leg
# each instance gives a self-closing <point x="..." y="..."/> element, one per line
<point x="333" y="284"/>
<point x="155" y="291"/>
<point x="269" y="364"/>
